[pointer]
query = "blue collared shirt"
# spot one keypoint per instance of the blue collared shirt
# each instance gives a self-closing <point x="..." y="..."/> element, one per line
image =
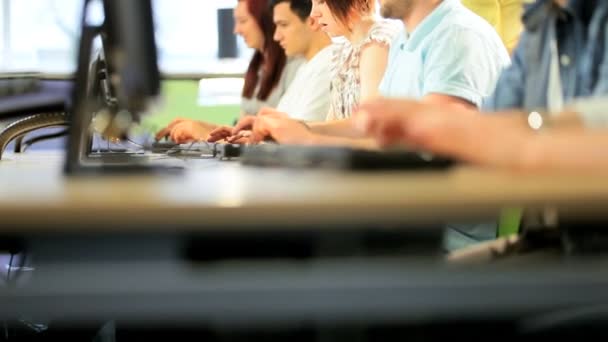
<point x="452" y="51"/>
<point x="579" y="31"/>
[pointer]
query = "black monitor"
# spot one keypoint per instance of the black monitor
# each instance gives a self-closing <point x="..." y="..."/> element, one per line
<point x="114" y="84"/>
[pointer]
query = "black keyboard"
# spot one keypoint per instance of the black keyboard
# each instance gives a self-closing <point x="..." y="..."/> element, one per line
<point x="219" y="150"/>
<point x="163" y="146"/>
<point x="339" y="158"/>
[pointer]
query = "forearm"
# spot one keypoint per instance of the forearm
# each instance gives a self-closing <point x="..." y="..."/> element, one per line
<point x="360" y="143"/>
<point x="567" y="150"/>
<point x="337" y="128"/>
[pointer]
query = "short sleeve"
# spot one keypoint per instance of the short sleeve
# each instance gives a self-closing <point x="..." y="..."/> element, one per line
<point x="462" y="63"/>
<point x="383" y="32"/>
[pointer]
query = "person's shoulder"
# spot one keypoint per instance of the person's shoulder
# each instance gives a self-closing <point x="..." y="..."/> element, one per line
<point x="464" y="18"/>
<point x="467" y="27"/>
<point x="384" y="31"/>
<point x="325" y="55"/>
<point x="293" y="65"/>
<point x="294" y="62"/>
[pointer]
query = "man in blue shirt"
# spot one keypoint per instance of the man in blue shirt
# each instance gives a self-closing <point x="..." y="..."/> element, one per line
<point x="451" y="52"/>
<point x="561" y="57"/>
<point x="446" y="55"/>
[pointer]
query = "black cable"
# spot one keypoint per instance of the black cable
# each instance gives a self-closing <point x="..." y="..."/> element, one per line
<point x="34" y="140"/>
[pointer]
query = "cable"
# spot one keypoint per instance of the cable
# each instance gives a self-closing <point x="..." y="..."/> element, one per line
<point x="135" y="143"/>
<point x="34" y="140"/>
<point x="8" y="279"/>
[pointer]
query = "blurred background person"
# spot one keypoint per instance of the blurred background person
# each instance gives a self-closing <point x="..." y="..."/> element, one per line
<point x="307" y="97"/>
<point x="443" y="54"/>
<point x="267" y="77"/>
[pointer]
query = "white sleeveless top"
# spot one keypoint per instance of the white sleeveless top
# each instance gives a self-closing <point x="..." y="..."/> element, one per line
<point x="345" y="88"/>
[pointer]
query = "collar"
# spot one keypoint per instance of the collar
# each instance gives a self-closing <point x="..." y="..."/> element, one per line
<point x="536" y="12"/>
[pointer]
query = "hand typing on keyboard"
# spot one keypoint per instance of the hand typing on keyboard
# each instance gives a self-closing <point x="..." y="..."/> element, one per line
<point x="239" y="134"/>
<point x="185" y="130"/>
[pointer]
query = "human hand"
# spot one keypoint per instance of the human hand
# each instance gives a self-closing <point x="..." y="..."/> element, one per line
<point x="245" y="123"/>
<point x="497" y="139"/>
<point x="219" y="133"/>
<point x="282" y="130"/>
<point x="190" y="131"/>
<point x="225" y="133"/>
<point x="165" y="132"/>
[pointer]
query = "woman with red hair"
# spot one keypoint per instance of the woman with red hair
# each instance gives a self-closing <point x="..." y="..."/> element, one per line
<point x="267" y="77"/>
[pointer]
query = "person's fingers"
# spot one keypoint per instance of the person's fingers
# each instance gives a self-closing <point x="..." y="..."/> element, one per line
<point x="163" y="133"/>
<point x="177" y="134"/>
<point x="363" y="122"/>
<point x="166" y="132"/>
<point x="240" y="140"/>
<point x="240" y="136"/>
<point x="262" y="129"/>
<point x="219" y="134"/>
<point x="244" y="123"/>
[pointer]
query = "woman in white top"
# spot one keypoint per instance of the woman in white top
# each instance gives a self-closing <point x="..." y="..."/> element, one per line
<point x="359" y="63"/>
<point x="266" y="79"/>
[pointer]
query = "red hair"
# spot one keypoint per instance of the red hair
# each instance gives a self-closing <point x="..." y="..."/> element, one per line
<point x="272" y="60"/>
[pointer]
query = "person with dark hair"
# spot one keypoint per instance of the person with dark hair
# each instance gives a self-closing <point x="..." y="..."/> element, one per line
<point x="358" y="64"/>
<point x="266" y="79"/>
<point x="444" y="54"/>
<point x="307" y="97"/>
<point x="559" y="67"/>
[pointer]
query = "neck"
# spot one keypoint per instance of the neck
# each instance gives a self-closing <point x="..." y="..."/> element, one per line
<point x="420" y="10"/>
<point x="318" y="42"/>
<point x="360" y="29"/>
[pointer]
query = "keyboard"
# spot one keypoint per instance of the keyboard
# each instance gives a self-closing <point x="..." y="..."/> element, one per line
<point x="339" y="158"/>
<point x="198" y="149"/>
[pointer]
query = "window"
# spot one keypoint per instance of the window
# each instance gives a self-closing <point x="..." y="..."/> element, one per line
<point x="45" y="36"/>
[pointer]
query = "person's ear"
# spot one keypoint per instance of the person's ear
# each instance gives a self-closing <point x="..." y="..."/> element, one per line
<point x="313" y="24"/>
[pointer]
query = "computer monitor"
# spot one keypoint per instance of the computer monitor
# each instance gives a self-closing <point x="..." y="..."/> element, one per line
<point x="114" y="84"/>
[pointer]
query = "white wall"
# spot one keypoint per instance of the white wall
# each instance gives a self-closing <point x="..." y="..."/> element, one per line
<point x="46" y="33"/>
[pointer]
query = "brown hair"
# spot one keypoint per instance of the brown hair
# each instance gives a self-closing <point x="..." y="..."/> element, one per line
<point x="271" y="61"/>
<point x="341" y="8"/>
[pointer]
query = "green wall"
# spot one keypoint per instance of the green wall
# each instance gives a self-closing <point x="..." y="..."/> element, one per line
<point x="179" y="100"/>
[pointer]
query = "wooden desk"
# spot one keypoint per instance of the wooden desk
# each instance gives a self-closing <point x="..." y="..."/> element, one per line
<point x="134" y="278"/>
<point x="34" y="194"/>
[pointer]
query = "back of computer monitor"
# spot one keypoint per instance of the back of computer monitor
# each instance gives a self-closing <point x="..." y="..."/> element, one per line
<point x="120" y="81"/>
